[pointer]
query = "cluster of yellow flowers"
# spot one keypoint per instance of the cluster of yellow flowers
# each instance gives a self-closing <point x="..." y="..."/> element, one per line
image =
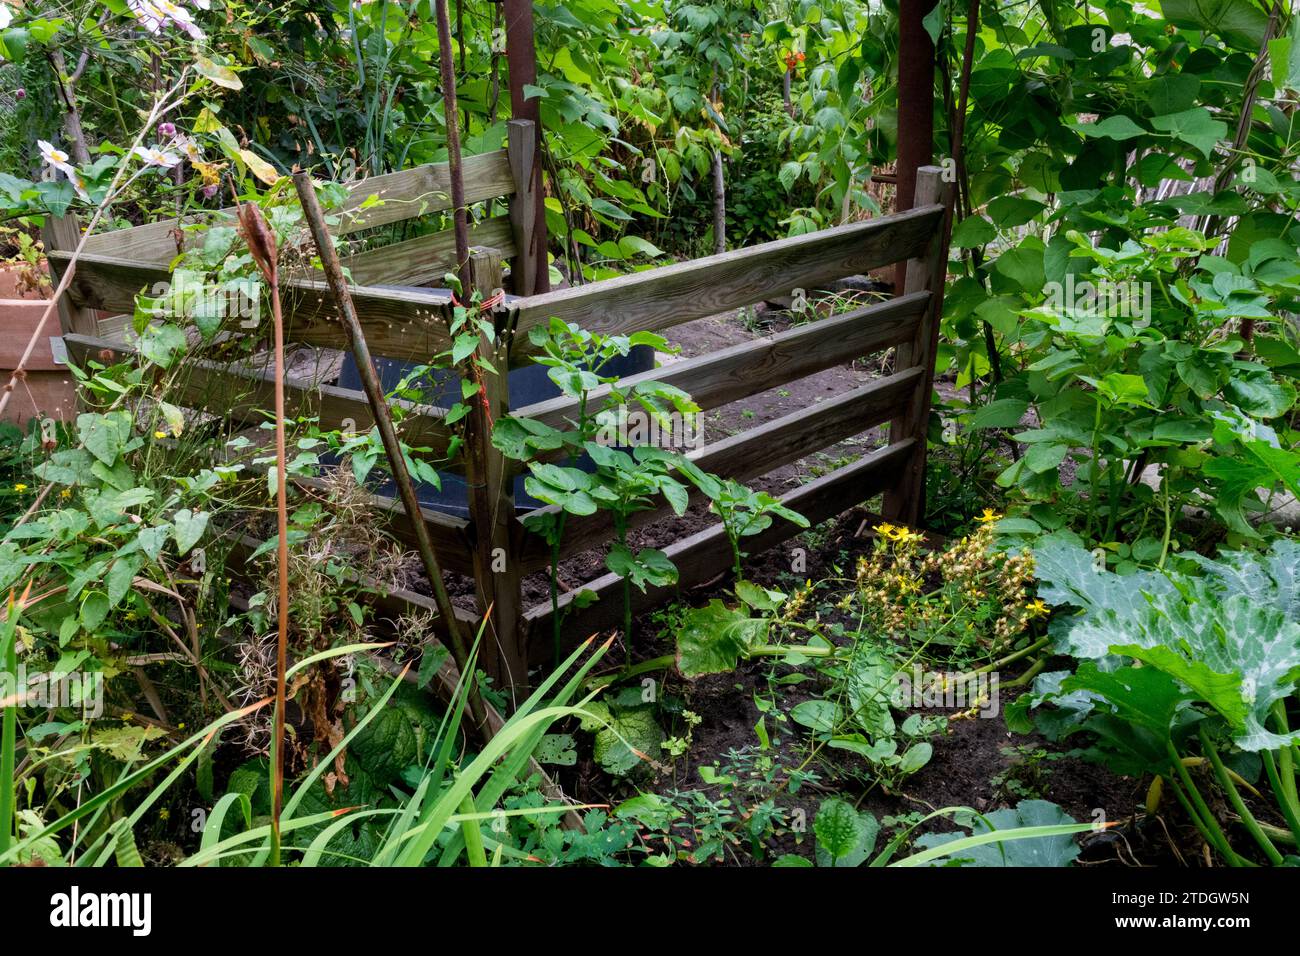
<point x="795" y="603"/>
<point x="968" y="592"/>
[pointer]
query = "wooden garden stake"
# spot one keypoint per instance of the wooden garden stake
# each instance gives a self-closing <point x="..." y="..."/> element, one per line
<point x="329" y="259"/>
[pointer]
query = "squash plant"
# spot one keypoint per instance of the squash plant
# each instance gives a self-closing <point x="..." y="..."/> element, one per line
<point x="1174" y="663"/>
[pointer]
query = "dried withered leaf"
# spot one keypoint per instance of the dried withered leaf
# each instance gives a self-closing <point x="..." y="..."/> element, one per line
<point x="257" y="233"/>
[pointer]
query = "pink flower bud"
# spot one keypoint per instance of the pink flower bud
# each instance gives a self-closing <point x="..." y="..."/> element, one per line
<point x="166" y="129"/>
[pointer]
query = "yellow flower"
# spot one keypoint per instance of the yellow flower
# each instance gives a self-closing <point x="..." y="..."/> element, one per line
<point x="160" y="435"/>
<point x="65" y="493"/>
<point x="908" y="585"/>
<point x="164" y="814"/>
<point x="988" y="515"/>
<point x="1037" y="608"/>
<point x="20" y="487"/>
<point x="885" y="529"/>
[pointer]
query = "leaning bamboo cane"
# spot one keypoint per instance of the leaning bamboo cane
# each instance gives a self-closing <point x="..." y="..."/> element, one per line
<point x="333" y="269"/>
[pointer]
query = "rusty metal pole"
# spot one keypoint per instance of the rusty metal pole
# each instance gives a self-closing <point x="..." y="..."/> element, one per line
<point x="330" y="264"/>
<point x="521" y="61"/>
<point x="478" y="426"/>
<point x="458" y="211"/>
<point x="915" y="105"/>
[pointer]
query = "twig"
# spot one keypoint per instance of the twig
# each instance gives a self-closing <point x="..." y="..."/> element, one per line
<point x="114" y="190"/>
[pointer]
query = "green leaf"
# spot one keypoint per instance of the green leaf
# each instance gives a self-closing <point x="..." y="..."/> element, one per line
<point x="105" y="435"/>
<point x="1023" y="266"/>
<point x="845" y="837"/>
<point x="623" y="736"/>
<point x="1239" y="23"/>
<point x="93" y="610"/>
<point x="160" y="343"/>
<point x="1195" y="127"/>
<point x="187" y="528"/>
<point x="1118" y="127"/>
<point x="120" y="575"/>
<point x="820" y="716"/>
<point x="1003" y="413"/>
<point x="1011" y="211"/>
<point x="973" y="232"/>
<point x="713" y="638"/>
<point x="1058" y="850"/>
<point x="647" y="566"/>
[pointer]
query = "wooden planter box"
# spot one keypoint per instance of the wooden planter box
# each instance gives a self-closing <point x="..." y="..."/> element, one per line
<point x="49" y="388"/>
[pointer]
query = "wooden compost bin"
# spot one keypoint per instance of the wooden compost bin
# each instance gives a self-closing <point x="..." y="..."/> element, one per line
<point x="414" y="325"/>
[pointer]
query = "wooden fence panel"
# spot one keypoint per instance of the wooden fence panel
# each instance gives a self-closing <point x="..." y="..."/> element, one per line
<point x="703" y="556"/>
<point x="660" y="298"/>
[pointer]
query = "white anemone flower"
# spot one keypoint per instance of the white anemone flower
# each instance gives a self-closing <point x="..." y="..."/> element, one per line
<point x="147" y="12"/>
<point x="6" y="16"/>
<point x="189" y="148"/>
<point x="156" y="156"/>
<point x="180" y="16"/>
<point x="55" y="157"/>
<point x="155" y="14"/>
<point x="79" y="184"/>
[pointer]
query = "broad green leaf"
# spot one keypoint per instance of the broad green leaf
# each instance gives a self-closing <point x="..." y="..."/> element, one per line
<point x="1057" y="850"/>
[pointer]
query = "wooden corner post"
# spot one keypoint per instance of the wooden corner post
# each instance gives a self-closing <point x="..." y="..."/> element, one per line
<point x="905" y="501"/>
<point x="63" y="234"/>
<point x="496" y="571"/>
<point x="522" y="149"/>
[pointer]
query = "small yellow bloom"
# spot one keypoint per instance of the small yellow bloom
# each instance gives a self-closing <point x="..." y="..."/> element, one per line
<point x="885" y="529"/>
<point x="160" y="435"/>
<point x="164" y="814"/>
<point x="988" y="515"/>
<point x="65" y="493"/>
<point x="20" y="487"/>
<point x="1037" y="608"/>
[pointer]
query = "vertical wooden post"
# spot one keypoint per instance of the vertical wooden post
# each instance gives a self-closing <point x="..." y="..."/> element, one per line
<point x="64" y="233"/>
<point x="496" y="567"/>
<point x="522" y="147"/>
<point x="521" y="60"/>
<point x="905" y="502"/>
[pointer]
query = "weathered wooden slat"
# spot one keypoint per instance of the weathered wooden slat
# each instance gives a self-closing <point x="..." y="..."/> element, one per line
<point x="405" y="194"/>
<point x="728" y="375"/>
<point x="398" y="324"/>
<point x="427" y="258"/>
<point x="243" y="393"/>
<point x="753" y="452"/>
<point x="660" y="298"/>
<point x="702" y="556"/>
